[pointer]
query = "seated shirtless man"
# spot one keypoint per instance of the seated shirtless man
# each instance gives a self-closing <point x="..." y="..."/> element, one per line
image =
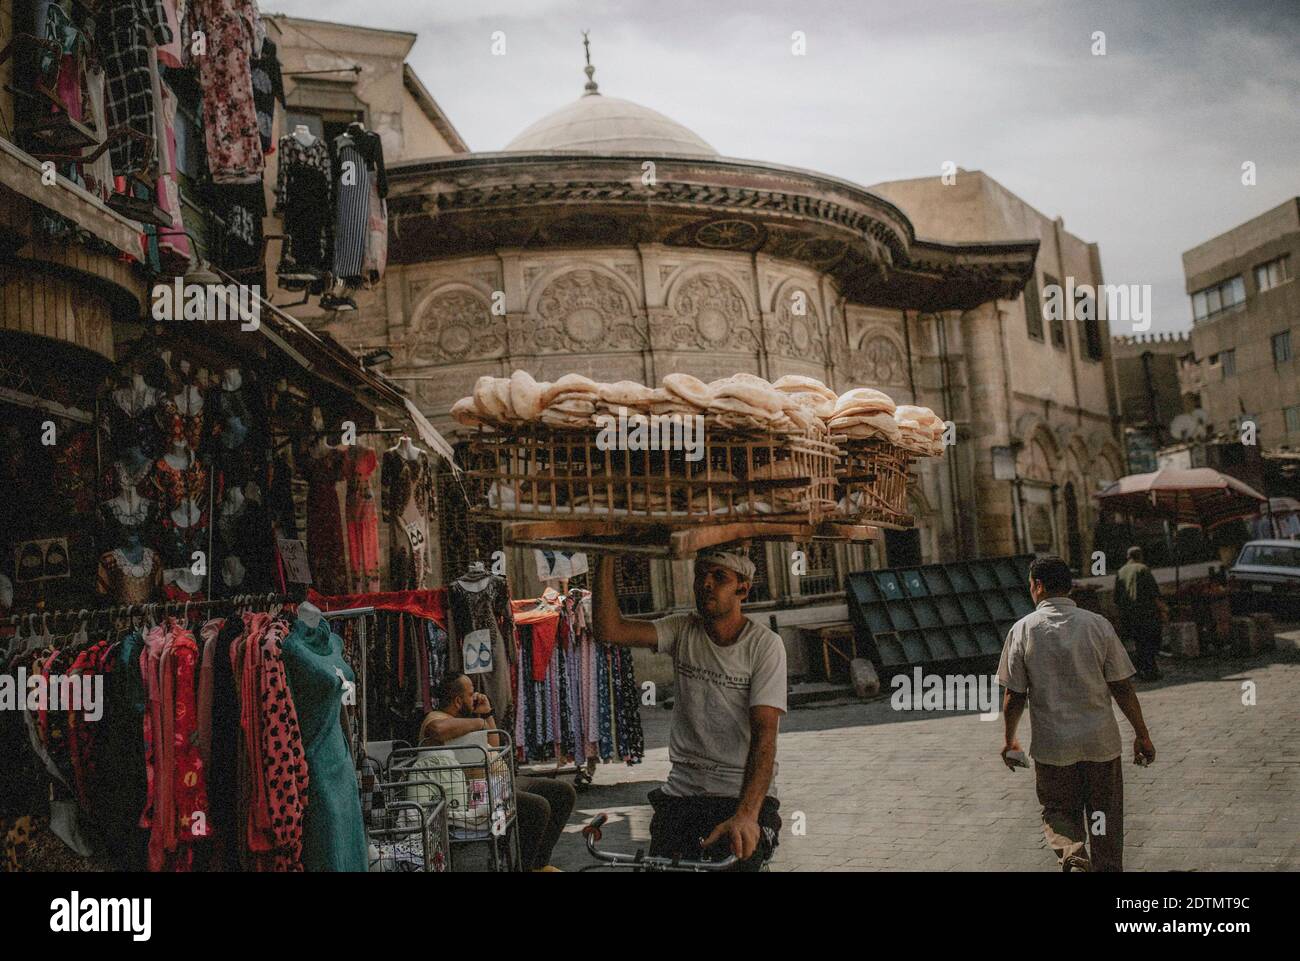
<point x="544" y="804"/>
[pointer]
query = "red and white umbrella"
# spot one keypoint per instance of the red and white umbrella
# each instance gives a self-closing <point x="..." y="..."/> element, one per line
<point x="1191" y="495"/>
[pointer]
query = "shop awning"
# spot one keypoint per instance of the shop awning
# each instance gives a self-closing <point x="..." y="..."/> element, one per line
<point x="329" y="360"/>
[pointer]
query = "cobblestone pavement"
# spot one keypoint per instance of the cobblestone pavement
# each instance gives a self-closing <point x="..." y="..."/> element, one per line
<point x="883" y="790"/>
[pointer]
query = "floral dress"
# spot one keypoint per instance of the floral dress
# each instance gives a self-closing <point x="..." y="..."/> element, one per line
<point x="226" y="75"/>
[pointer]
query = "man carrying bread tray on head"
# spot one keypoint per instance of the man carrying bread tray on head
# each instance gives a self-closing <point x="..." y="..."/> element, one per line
<point x="730" y="680"/>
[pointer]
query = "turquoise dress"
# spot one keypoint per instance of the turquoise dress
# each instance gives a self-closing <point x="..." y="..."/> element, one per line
<point x="333" y="833"/>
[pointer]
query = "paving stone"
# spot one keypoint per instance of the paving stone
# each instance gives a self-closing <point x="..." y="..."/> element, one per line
<point x="930" y="793"/>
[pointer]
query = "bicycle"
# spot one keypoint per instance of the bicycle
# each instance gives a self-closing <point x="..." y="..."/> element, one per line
<point x="646" y="862"/>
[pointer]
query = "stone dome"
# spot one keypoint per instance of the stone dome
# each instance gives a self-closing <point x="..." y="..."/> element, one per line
<point x="602" y="125"/>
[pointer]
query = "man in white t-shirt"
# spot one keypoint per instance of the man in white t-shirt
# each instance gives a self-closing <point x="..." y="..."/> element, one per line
<point x="1067" y="665"/>
<point x="730" y="681"/>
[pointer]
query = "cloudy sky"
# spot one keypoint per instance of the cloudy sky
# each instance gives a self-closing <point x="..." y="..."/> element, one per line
<point x="1140" y="150"/>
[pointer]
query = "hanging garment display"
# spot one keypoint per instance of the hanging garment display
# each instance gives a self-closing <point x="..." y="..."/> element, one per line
<point x="359" y="176"/>
<point x="325" y="540"/>
<point x="577" y="699"/>
<point x="198" y="761"/>
<point x="125" y="30"/>
<point x="98" y="174"/>
<point x="406" y="656"/>
<point x="241" y="208"/>
<point x="173" y="244"/>
<point x="303" y="199"/>
<point x="333" y="832"/>
<point x="268" y="87"/>
<point x="482" y="642"/>
<point x="407" y="477"/>
<point x="225" y="73"/>
<point x="130" y="574"/>
<point x="359" y="465"/>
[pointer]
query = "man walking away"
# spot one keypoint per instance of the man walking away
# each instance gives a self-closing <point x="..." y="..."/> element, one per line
<point x="1137" y="595"/>
<point x="1066" y="664"/>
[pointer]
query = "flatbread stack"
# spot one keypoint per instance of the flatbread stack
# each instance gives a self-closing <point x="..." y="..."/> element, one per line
<point x="920" y="430"/>
<point x="864" y="413"/>
<point x="570" y="403"/>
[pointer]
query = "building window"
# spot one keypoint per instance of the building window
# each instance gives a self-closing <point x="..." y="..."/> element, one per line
<point x="1085" y="314"/>
<point x="632" y="584"/>
<point x="1281" y="347"/>
<point x="1293" y="420"/>
<point x="823" y="573"/>
<point x="1212" y="301"/>
<point x="1057" y="321"/>
<point x="1229" y="361"/>
<point x="1273" y="273"/>
<point x="759" y="589"/>
<point x="1033" y="310"/>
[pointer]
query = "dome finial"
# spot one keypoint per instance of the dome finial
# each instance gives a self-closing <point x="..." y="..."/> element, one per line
<point x="589" y="69"/>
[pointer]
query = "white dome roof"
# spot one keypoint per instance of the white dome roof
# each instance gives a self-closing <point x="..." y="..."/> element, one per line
<point x="600" y="124"/>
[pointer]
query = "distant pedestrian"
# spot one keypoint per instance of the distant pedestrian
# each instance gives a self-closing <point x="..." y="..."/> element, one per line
<point x="1066" y="664"/>
<point x="1141" y="612"/>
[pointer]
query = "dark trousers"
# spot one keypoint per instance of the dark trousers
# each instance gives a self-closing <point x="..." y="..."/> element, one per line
<point x="1071" y="796"/>
<point x="544" y="807"/>
<point x="680" y="823"/>
<point x="1145" y="633"/>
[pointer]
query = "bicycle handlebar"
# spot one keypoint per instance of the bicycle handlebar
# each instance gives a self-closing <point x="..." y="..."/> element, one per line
<point x="591" y="834"/>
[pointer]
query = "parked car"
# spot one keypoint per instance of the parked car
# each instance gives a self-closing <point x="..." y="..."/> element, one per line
<point x="1266" y="577"/>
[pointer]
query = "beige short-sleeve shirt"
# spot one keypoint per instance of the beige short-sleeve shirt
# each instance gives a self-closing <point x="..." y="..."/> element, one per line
<point x="1064" y="657"/>
<point x="708" y="743"/>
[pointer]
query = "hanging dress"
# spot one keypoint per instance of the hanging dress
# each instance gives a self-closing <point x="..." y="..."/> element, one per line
<point x="408" y="497"/>
<point x="125" y="30"/>
<point x="352" y="211"/>
<point x="303" y="191"/>
<point x="333" y="833"/>
<point x="325" y="523"/>
<point x="359" y="465"/>
<point x="226" y="76"/>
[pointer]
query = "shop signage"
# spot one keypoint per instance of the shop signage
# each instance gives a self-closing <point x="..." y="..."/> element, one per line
<point x="42" y="560"/>
<point x="293" y="553"/>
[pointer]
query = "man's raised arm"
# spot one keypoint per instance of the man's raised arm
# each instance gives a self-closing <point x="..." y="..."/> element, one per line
<point x="611" y="626"/>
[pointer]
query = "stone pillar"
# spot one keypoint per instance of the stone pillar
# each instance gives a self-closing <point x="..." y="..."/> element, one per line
<point x="988" y="426"/>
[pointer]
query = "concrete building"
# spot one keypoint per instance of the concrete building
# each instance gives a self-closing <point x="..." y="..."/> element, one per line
<point x="1149" y="374"/>
<point x="1245" y="313"/>
<point x="1042" y="415"/>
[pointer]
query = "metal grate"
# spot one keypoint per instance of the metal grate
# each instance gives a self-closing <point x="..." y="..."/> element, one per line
<point x="823" y="570"/>
<point x="632" y="584"/>
<point x="761" y="589"/>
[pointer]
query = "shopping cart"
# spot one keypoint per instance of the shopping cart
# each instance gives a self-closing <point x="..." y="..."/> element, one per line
<point x="404" y="834"/>
<point x="476" y="780"/>
<point x="645" y="862"/>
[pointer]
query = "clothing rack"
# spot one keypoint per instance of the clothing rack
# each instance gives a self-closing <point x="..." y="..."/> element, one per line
<point x="149" y="610"/>
<point x="360" y="614"/>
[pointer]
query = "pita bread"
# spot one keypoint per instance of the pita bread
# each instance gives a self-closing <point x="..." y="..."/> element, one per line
<point x="487" y="400"/>
<point x="465" y="411"/>
<point x="688" y="389"/>
<point x="762" y="398"/>
<point x="864" y="398"/>
<point x="798" y="384"/>
<point x="526" y="396"/>
<point x="626" y="393"/>
<point x="570" y="384"/>
<point x="818" y="404"/>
